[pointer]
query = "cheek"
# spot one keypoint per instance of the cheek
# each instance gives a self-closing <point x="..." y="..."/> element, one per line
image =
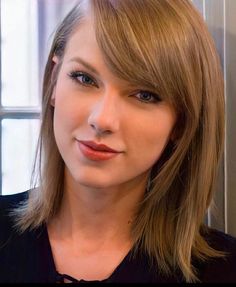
<point x="69" y="111"/>
<point x="155" y="135"/>
<point x="151" y="146"/>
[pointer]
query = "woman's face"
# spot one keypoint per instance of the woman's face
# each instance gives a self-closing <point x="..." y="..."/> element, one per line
<point x="93" y="107"/>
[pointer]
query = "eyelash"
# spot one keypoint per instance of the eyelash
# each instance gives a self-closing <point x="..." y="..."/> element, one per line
<point x="74" y="77"/>
<point x="76" y="74"/>
<point x="154" y="97"/>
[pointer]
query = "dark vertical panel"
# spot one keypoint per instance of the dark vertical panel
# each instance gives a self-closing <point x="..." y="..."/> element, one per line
<point x="213" y="13"/>
<point x="214" y="16"/>
<point x="230" y="46"/>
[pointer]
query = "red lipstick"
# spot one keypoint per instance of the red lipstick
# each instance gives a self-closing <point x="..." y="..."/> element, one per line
<point x="97" y="152"/>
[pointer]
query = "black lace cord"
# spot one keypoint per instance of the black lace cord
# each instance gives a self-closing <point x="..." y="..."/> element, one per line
<point x="61" y="277"/>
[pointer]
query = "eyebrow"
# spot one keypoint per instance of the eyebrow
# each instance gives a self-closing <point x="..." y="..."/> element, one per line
<point x="85" y="64"/>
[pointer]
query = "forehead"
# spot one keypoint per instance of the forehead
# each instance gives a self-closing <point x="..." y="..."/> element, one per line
<point x="82" y="38"/>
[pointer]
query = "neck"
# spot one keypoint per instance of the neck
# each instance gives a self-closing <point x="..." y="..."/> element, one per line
<point x="87" y="212"/>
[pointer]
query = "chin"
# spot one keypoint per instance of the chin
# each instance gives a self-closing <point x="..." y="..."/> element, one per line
<point x="95" y="185"/>
<point x="92" y="182"/>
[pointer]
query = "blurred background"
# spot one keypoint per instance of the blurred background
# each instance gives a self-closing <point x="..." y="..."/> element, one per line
<point x="27" y="28"/>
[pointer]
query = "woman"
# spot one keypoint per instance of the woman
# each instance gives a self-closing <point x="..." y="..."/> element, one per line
<point x="131" y="137"/>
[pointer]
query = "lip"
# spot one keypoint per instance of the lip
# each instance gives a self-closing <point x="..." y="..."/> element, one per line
<point x="98" y="147"/>
<point x="96" y="152"/>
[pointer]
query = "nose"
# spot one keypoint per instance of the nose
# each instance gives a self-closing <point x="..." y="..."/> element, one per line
<point x="104" y="116"/>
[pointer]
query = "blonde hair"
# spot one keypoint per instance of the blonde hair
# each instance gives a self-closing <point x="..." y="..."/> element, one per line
<point x="165" y="46"/>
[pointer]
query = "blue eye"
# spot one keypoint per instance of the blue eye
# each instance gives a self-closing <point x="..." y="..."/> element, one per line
<point x="82" y="79"/>
<point x="148" y="97"/>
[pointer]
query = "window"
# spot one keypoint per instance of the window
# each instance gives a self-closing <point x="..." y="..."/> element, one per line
<point x="27" y="28"/>
<point x="19" y="102"/>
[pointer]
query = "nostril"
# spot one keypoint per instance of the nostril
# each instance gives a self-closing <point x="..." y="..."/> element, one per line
<point x="100" y="131"/>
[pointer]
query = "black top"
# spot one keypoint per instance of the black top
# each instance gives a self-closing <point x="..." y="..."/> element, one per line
<point x="27" y="257"/>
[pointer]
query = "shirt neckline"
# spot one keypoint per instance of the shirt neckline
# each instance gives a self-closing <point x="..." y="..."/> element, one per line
<point x="57" y="275"/>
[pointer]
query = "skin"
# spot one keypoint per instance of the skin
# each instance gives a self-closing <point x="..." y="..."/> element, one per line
<point x="100" y="197"/>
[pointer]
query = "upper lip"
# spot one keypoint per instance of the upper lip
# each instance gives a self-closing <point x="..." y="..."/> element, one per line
<point x="99" y="147"/>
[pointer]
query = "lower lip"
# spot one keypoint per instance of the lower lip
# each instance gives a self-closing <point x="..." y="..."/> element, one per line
<point x="95" y="154"/>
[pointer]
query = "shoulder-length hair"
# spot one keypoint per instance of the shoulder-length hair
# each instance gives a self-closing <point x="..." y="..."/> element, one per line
<point x="163" y="45"/>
